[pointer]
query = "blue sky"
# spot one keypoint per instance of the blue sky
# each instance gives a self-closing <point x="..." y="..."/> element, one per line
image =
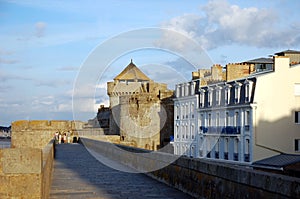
<point x="45" y="45"/>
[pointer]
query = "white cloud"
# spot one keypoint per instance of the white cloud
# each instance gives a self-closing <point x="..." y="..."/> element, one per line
<point x="68" y="68"/>
<point x="220" y="23"/>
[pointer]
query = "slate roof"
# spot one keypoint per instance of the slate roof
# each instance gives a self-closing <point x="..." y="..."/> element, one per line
<point x="279" y="161"/>
<point x="261" y="60"/>
<point x="132" y="72"/>
<point x="288" y="51"/>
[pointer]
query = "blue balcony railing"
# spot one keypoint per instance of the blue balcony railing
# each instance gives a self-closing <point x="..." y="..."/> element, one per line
<point x="221" y="129"/>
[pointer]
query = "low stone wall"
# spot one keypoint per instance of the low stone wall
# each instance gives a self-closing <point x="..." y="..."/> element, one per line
<point x="105" y="138"/>
<point x="37" y="133"/>
<point x="26" y="172"/>
<point x="26" y="168"/>
<point x="200" y="178"/>
<point x="93" y="132"/>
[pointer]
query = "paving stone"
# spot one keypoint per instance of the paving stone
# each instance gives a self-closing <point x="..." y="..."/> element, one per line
<point x="78" y="174"/>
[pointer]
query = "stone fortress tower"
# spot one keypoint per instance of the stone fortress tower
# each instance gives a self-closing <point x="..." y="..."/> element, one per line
<point x="141" y="109"/>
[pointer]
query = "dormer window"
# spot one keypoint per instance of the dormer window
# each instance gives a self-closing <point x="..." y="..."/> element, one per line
<point x="210" y="97"/>
<point x="237" y="89"/>
<point x="227" y="94"/>
<point x="218" y="96"/>
<point x="202" y="97"/>
<point x="248" y="88"/>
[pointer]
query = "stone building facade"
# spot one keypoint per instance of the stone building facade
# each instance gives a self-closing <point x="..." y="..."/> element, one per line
<point x="141" y="109"/>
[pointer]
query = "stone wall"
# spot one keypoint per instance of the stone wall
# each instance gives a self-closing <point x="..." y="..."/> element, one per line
<point x="26" y="172"/>
<point x="26" y="168"/>
<point x="200" y="178"/>
<point x="238" y="70"/>
<point x="37" y="133"/>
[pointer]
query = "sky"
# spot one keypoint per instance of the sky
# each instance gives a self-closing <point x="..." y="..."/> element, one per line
<point x="56" y="56"/>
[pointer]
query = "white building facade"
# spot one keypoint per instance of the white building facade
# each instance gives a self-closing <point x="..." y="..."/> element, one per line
<point x="225" y="121"/>
<point x="185" y="118"/>
<point x="241" y="121"/>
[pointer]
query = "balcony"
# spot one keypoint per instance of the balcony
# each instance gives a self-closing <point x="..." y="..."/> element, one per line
<point x="229" y="130"/>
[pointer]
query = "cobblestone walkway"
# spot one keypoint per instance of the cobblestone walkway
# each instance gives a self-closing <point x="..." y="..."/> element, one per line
<point x="77" y="174"/>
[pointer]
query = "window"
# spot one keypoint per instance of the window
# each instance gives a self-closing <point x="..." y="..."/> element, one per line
<point x="209" y="120"/>
<point x="202" y="121"/>
<point x="226" y="148"/>
<point x="192" y="107"/>
<point x="247" y="120"/>
<point x="226" y="119"/>
<point x="186" y="131"/>
<point x="248" y="87"/>
<point x="177" y="112"/>
<point x="218" y="119"/>
<point x="187" y="111"/>
<point x="210" y="96"/>
<point x="218" y="96"/>
<point x="236" y="149"/>
<point x="227" y="94"/>
<point x="237" y="93"/>
<point x="297" y="117"/>
<point x="297" y="145"/>
<point x="193" y="131"/>
<point x="247" y="98"/>
<point x="202" y="96"/>
<point x="247" y="146"/>
<point x="226" y="145"/>
<point x="236" y="119"/>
